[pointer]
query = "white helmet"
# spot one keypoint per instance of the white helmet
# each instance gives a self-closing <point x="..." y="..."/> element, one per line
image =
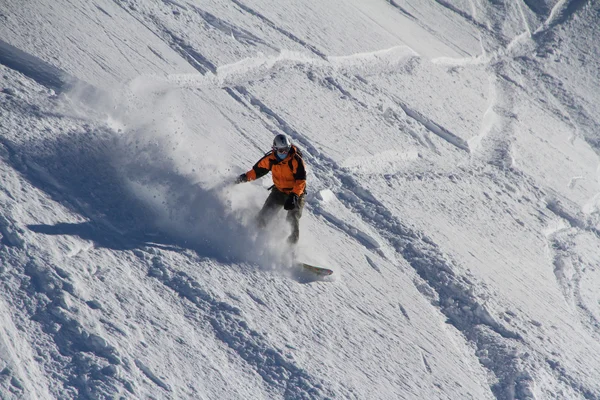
<point x="281" y="146"/>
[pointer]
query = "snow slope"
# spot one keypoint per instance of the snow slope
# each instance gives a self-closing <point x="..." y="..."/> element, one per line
<point x="452" y="151"/>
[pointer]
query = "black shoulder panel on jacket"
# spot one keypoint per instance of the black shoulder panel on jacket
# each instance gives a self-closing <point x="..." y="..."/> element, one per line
<point x="260" y="171"/>
<point x="300" y="173"/>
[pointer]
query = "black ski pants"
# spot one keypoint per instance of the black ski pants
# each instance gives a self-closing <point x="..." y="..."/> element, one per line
<point x="273" y="204"/>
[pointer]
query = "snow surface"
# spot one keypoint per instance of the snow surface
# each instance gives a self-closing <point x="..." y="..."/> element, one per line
<point x="453" y="186"/>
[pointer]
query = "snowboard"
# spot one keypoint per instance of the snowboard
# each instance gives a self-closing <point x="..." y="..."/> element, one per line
<point x="321" y="271"/>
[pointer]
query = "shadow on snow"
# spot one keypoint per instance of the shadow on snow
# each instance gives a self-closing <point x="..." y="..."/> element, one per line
<point x="130" y="204"/>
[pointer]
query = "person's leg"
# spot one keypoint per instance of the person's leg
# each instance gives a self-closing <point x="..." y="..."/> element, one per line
<point x="273" y="203"/>
<point x="294" y="218"/>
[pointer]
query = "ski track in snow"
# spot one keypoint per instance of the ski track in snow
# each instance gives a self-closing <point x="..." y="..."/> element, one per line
<point x="416" y="116"/>
<point x="560" y="13"/>
<point x="196" y="59"/>
<point x="462" y="13"/>
<point x="199" y="61"/>
<point x="181" y="46"/>
<point x="568" y="266"/>
<point x="493" y="144"/>
<point x="569" y="273"/>
<point x="148" y="372"/>
<point x="401" y="9"/>
<point x="240" y="34"/>
<point x="281" y="30"/>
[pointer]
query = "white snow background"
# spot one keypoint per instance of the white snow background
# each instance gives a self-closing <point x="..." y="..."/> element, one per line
<point x="452" y="150"/>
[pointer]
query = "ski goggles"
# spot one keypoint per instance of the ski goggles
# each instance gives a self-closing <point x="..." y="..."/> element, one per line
<point x="281" y="150"/>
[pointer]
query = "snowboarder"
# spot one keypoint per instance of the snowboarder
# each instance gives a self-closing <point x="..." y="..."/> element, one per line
<point x="289" y="178"/>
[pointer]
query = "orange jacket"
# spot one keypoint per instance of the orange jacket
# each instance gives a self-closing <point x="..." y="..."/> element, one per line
<point x="289" y="174"/>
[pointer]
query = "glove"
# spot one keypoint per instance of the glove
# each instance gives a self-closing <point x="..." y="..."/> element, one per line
<point x="291" y="202"/>
<point x="241" y="179"/>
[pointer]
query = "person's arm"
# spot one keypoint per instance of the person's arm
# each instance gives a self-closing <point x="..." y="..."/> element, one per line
<point x="299" y="175"/>
<point x="260" y="169"/>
